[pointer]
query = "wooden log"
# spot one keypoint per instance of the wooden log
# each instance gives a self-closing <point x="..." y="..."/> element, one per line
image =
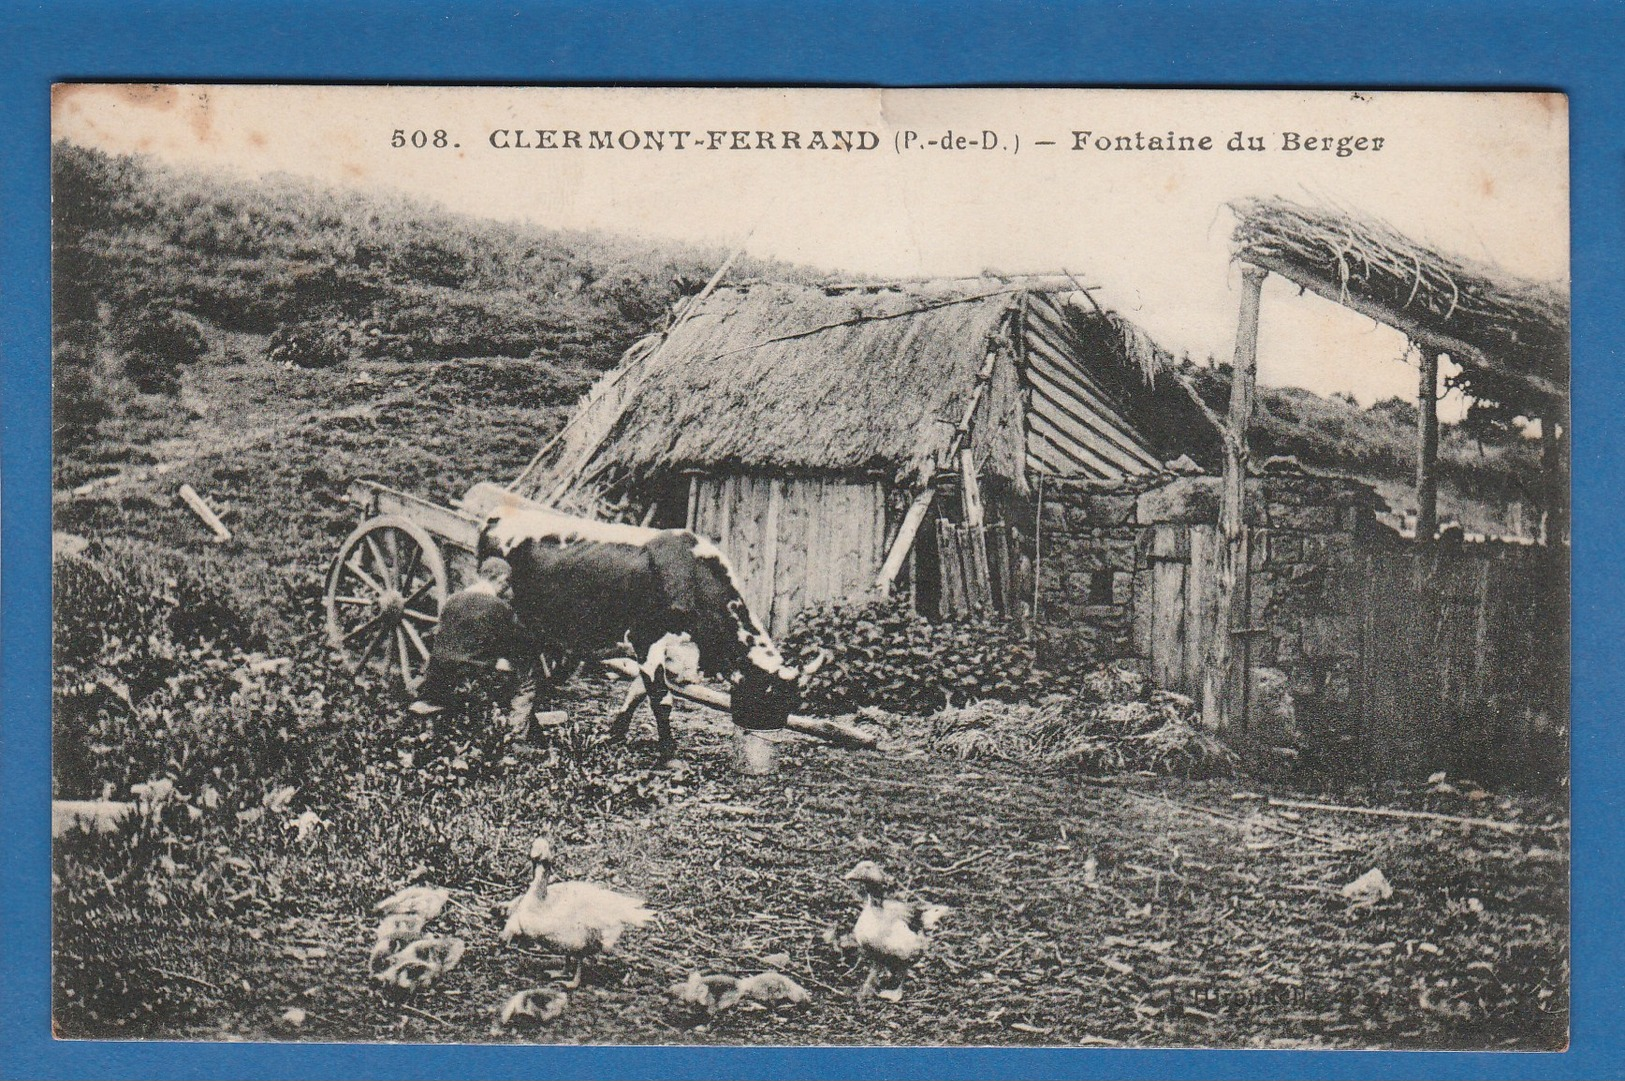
<point x="205" y="513"/>
<point x="1426" y="816"/>
<point x="1427" y="448"/>
<point x="842" y="735"/>
<point x="905" y="539"/>
<point x="1218" y="680"/>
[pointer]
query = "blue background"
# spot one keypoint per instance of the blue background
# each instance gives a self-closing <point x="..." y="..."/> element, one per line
<point x="1573" y="47"/>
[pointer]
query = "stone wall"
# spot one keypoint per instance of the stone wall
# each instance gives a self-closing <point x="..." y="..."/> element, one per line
<point x="1089" y="541"/>
<point x="1098" y="546"/>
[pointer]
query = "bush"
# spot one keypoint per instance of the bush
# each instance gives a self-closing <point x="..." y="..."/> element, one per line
<point x="157" y="346"/>
<point x="315" y="344"/>
<point x="887" y="656"/>
<point x="80" y="397"/>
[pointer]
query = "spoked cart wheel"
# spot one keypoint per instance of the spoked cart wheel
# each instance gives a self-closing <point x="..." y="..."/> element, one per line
<point x="383" y="599"/>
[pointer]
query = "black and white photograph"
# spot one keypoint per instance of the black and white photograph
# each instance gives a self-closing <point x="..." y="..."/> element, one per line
<point x="810" y="566"/>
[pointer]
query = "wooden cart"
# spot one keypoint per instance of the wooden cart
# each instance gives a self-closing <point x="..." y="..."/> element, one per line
<point x="394" y="571"/>
<point x="396" y="568"/>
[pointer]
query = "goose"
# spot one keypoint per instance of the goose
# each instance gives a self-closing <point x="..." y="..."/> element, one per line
<point x="713" y="993"/>
<point x="425" y="901"/>
<point x="891" y="933"/>
<point x="578" y="919"/>
<point x="422" y="963"/>
<point x="535" y="1006"/>
<point x="773" y="987"/>
<point x="395" y="932"/>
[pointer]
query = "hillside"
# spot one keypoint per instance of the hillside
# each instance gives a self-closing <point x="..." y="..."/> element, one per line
<point x="156" y="269"/>
<point x="1482" y="475"/>
<point x="337" y="273"/>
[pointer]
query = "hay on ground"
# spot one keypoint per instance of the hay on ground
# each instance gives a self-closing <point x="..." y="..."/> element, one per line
<point x="1117" y="724"/>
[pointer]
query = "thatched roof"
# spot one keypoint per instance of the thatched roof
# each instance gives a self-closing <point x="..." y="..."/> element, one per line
<point x="797" y="379"/>
<point x="1511" y="334"/>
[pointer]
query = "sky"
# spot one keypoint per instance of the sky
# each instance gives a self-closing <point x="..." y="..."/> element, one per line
<point x="1482" y="176"/>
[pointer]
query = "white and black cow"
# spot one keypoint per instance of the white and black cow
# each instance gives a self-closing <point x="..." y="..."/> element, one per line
<point x="580" y="587"/>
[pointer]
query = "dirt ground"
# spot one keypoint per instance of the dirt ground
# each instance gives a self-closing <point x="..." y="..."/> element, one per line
<point x="1143" y="912"/>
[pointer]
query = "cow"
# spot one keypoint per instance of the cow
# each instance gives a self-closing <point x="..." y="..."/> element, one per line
<point x="579" y="588"/>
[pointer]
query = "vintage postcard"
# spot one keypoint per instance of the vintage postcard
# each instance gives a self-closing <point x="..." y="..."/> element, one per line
<point x="811" y="566"/>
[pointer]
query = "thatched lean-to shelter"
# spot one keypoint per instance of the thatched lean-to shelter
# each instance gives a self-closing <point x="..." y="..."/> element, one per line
<point x="797" y="424"/>
<point x="1510" y="334"/>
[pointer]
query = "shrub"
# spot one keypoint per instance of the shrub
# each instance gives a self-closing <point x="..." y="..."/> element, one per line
<point x="883" y="654"/>
<point x="314" y="344"/>
<point x="157" y="345"/>
<point x="80" y="397"/>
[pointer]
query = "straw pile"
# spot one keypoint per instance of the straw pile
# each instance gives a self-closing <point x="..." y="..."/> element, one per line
<point x="1117" y="724"/>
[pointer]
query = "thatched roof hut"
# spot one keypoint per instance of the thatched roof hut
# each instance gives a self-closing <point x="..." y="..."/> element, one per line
<point x="1511" y="335"/>
<point x="797" y="424"/>
<point x="870" y="379"/>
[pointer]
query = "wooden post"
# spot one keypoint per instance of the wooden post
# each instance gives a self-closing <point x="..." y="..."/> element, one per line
<point x="970" y="489"/>
<point x="1219" y="700"/>
<point x="922" y="500"/>
<point x="1427" y="447"/>
<point x="905" y="539"/>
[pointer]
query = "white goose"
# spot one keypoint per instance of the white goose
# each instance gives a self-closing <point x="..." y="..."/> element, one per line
<point x="890" y="932"/>
<point x="579" y="919"/>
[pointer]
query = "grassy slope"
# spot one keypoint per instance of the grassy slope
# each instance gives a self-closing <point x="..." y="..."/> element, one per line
<point x="276" y="449"/>
<point x="253" y="256"/>
<point x="1378" y="445"/>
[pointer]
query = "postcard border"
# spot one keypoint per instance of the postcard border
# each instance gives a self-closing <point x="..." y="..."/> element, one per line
<point x="1573" y="47"/>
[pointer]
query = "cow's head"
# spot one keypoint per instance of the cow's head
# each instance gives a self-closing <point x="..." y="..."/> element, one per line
<point x="763" y="700"/>
<point x="475" y="637"/>
<point x="765" y="696"/>
<point x="764" y="689"/>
